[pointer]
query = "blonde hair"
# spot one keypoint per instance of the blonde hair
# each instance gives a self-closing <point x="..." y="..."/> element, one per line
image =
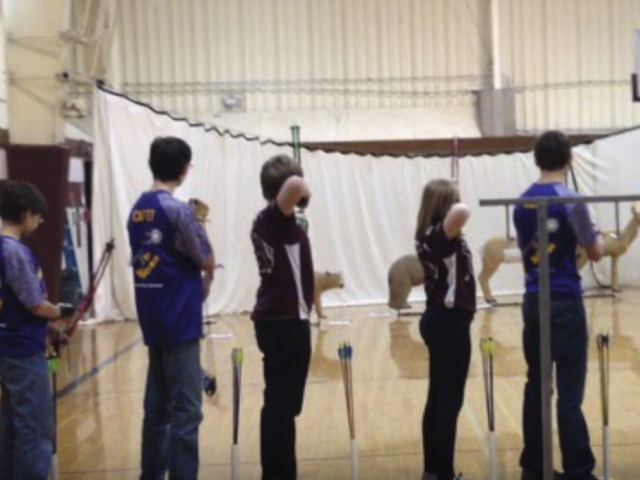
<point x="438" y="196"/>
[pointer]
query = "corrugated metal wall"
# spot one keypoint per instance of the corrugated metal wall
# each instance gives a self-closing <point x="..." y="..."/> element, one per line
<point x="303" y="54"/>
<point x="569" y="60"/>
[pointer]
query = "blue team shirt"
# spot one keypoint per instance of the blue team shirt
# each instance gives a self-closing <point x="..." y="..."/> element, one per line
<point x="168" y="248"/>
<point x="569" y="225"/>
<point x="22" y="334"/>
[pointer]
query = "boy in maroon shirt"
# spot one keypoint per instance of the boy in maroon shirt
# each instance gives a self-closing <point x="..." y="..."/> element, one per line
<point x="281" y="314"/>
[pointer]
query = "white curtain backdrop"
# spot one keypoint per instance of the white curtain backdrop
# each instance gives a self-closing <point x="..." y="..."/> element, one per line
<point x="616" y="169"/>
<point x="361" y="215"/>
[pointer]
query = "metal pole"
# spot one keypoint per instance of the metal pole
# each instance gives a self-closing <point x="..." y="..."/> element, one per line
<point x="617" y="204"/>
<point x="496" y="62"/>
<point x="546" y="376"/>
<point x="508" y="221"/>
<point x="497" y="202"/>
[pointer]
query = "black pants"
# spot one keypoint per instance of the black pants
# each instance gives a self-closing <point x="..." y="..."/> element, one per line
<point x="569" y="350"/>
<point x="446" y="334"/>
<point x="286" y="349"/>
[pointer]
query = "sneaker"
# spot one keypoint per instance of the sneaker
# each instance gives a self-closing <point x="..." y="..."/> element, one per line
<point x="527" y="475"/>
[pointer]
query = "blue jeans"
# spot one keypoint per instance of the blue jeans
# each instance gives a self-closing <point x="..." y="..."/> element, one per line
<point x="172" y="413"/>
<point x="26" y="419"/>
<point x="569" y="345"/>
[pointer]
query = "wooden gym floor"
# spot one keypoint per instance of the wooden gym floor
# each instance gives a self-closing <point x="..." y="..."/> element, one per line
<point x="102" y="383"/>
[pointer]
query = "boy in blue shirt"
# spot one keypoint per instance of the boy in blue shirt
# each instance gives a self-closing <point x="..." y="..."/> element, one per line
<point x="569" y="225"/>
<point x="170" y="251"/>
<point x="26" y="413"/>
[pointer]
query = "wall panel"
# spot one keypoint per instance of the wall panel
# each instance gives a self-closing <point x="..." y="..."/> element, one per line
<point x="302" y="54"/>
<point x="568" y="60"/>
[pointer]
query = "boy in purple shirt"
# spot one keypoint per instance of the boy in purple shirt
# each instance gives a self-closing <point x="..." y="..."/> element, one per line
<point x="568" y="226"/>
<point x="170" y="252"/>
<point x="26" y="413"/>
<point x="281" y="314"/>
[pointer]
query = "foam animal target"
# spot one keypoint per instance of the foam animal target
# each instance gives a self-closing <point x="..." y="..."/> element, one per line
<point x="322" y="282"/>
<point x="404" y="274"/>
<point x="200" y="209"/>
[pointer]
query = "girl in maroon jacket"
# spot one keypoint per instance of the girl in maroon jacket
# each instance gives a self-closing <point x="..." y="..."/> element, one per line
<point x="451" y="303"/>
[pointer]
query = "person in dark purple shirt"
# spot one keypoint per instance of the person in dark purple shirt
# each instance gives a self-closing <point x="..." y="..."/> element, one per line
<point x="26" y="413"/>
<point x="451" y="304"/>
<point x="569" y="225"/>
<point x="282" y="310"/>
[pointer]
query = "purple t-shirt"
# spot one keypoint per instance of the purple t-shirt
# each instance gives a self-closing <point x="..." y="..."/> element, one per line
<point x="448" y="270"/>
<point x="22" y="275"/>
<point x="568" y="225"/>
<point x="191" y="237"/>
<point x="169" y="249"/>
<point x="23" y="278"/>
<point x="283" y="253"/>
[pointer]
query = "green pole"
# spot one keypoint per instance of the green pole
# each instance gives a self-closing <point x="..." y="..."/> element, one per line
<point x="301" y="216"/>
<point x="295" y="135"/>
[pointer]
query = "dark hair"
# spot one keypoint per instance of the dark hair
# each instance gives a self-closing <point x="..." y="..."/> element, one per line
<point x="275" y="172"/>
<point x="552" y="151"/>
<point x="18" y="198"/>
<point x="168" y="158"/>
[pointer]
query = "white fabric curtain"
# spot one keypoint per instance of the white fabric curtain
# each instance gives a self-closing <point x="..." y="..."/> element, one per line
<point x="224" y="175"/>
<point x="616" y="171"/>
<point x="361" y="215"/>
